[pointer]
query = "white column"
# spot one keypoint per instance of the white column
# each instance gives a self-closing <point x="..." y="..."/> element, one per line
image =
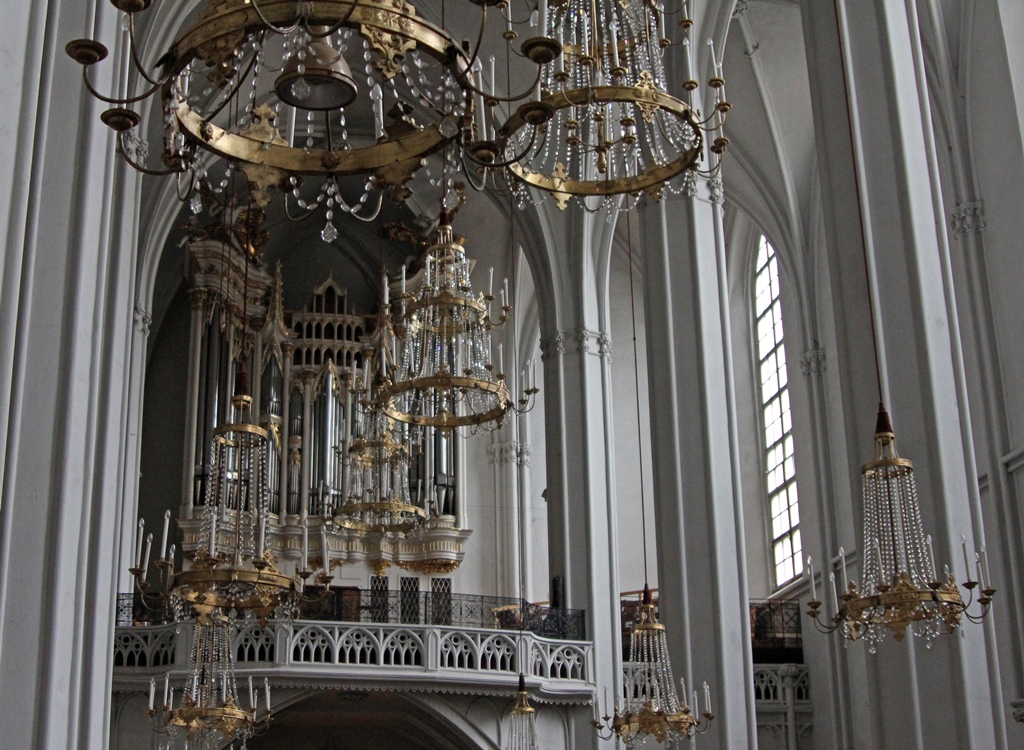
<point x="703" y="597"/>
<point x="66" y="297"/>
<point x="881" y="199"/>
<point x="503" y="458"/>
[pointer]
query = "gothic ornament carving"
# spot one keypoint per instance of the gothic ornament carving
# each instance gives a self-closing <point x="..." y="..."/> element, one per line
<point x="968" y="218"/>
<point x="142" y="319"/>
<point x="812" y="362"/>
<point x="604" y="346"/>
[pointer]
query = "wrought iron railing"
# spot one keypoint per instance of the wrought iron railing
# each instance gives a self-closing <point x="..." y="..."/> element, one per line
<point x="423" y="608"/>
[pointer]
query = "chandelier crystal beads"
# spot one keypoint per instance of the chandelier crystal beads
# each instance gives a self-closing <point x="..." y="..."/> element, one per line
<point x="288" y="91"/>
<point x="899" y="588"/>
<point x="652" y="709"/>
<point x="445" y="374"/>
<point x="602" y="121"/>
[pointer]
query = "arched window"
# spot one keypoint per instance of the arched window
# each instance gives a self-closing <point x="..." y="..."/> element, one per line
<point x="777" y="420"/>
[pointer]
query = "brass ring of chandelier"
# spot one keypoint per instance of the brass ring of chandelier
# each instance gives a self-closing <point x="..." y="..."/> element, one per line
<point x="362" y="448"/>
<point x="225" y="719"/>
<point x="203" y="587"/>
<point x="391" y="30"/>
<point x="446" y="420"/>
<point x="643" y="97"/>
<point x="903" y="599"/>
<point x="443" y="299"/>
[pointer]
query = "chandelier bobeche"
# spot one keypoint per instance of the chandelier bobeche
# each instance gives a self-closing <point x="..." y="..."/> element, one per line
<point x="445" y="373"/>
<point x="602" y="121"/>
<point x="900" y="588"/>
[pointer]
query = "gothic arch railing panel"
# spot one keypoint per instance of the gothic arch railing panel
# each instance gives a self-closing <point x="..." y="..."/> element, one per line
<point x="312" y="644"/>
<point x="255" y="644"/>
<point x="559" y="662"/>
<point x="403" y="648"/>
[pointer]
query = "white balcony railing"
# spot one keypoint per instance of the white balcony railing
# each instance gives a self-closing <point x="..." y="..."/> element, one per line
<point x="314" y="653"/>
<point x="782" y="695"/>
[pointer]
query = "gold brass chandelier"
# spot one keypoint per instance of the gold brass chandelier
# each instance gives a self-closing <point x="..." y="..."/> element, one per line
<point x="602" y="121"/>
<point x="209" y="712"/>
<point x="445" y="374"/>
<point x="899" y="586"/>
<point x="653" y="708"/>
<point x="235" y="570"/>
<point x="267" y="87"/>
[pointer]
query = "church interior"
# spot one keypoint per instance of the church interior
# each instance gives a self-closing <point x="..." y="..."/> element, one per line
<point x="512" y="375"/>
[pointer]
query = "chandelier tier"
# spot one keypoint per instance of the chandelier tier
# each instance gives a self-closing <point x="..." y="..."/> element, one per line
<point x="267" y="86"/>
<point x="210" y="711"/>
<point x="900" y="588"/>
<point x="602" y="121"/>
<point x="652" y="708"/>
<point x="235" y="571"/>
<point x="378" y="498"/>
<point x="444" y="374"/>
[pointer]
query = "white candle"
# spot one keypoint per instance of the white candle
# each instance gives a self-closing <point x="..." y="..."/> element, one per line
<point x="138" y="542"/>
<point x="387" y="289"/>
<point x="931" y="555"/>
<point x="167" y="688"/>
<point x="508" y="18"/>
<point x="490" y="284"/>
<point x="266" y="692"/>
<point x="478" y="77"/>
<point x="170" y="559"/>
<point x="261" y="545"/>
<point x="707" y="698"/>
<point x="402" y="287"/>
<point x="842" y="563"/>
<point x="543" y="8"/>
<point x="325" y="549"/>
<point x="682" y="686"/>
<point x="714" y="60"/>
<point x="377" y="96"/>
<point x="967" y="565"/>
<point x="163" y="535"/>
<point x="661" y="22"/>
<point x="305" y="541"/>
<point x="213" y="533"/>
<point x="560" y="60"/>
<point x="152" y="693"/>
<point x="835" y="596"/>
<point x="170" y="700"/>
<point x="501" y="359"/>
<point x="984" y="567"/>
<point x="252" y="694"/>
<point x="810" y="575"/>
<point x="494" y="81"/>
<point x="613" y="28"/>
<point x="977" y="565"/>
<point x="145" y="555"/>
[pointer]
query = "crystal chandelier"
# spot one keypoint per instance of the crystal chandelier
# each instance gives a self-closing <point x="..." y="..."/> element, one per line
<point x="235" y="570"/>
<point x="601" y="121"/>
<point x="899" y="587"/>
<point x="293" y="92"/>
<point x="209" y="713"/>
<point x="378" y="498"/>
<point x="522" y="728"/>
<point x="445" y="374"/>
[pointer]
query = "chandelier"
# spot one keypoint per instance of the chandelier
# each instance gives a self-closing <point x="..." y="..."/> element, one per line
<point x="522" y="728"/>
<point x="209" y="713"/>
<point x="601" y="121"/>
<point x="235" y="571"/>
<point x="899" y="588"/>
<point x="652" y="708"/>
<point x="291" y="92"/>
<point x="377" y="498"/>
<point x="445" y="374"/>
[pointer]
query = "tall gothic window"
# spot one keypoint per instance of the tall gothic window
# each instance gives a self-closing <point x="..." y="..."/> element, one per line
<point x="780" y="473"/>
